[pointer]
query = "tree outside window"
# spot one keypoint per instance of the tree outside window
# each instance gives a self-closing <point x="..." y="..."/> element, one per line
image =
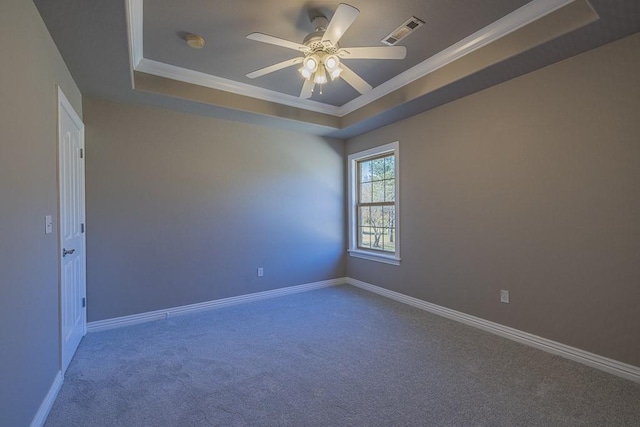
<point x="374" y="219"/>
<point x="376" y="203"/>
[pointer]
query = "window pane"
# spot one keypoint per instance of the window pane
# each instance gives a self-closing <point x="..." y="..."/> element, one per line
<point x="390" y="228"/>
<point x="390" y="190"/>
<point x="390" y="216"/>
<point x="377" y="169"/>
<point x="364" y="237"/>
<point x="376" y="216"/>
<point x="376" y="226"/>
<point x="389" y="240"/>
<point x="389" y="167"/>
<point x="364" y="216"/>
<point x="365" y="192"/>
<point x="365" y="171"/>
<point x="378" y="191"/>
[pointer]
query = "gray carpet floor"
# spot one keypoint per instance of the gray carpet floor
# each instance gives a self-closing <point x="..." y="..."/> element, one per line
<point x="333" y="357"/>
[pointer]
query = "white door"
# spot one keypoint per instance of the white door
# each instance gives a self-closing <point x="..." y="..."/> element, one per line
<point x="72" y="230"/>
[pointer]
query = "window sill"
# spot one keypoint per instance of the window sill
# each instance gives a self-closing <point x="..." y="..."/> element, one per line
<point x="372" y="256"/>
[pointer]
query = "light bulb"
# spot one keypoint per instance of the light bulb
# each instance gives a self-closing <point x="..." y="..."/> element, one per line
<point x="336" y="73"/>
<point x="320" y="77"/>
<point x="311" y="63"/>
<point x="331" y="63"/>
<point x="305" y="73"/>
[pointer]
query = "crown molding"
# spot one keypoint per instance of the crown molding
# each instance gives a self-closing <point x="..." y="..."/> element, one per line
<point x="162" y="69"/>
<point x="134" y="26"/>
<point x="517" y="19"/>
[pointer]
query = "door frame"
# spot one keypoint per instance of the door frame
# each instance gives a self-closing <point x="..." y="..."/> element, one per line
<point x="64" y="104"/>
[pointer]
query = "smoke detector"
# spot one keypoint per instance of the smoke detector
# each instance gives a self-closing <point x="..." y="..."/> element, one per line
<point x="194" y="41"/>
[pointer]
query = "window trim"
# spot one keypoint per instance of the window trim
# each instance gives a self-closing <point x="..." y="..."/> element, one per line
<point x="353" y="159"/>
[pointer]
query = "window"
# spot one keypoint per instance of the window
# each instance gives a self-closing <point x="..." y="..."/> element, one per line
<point x="373" y="204"/>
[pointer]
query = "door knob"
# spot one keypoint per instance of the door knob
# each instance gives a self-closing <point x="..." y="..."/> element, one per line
<point x="67" y="252"/>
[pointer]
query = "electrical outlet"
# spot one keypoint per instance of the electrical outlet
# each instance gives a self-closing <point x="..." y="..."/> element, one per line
<point x="260" y="271"/>
<point x="504" y="296"/>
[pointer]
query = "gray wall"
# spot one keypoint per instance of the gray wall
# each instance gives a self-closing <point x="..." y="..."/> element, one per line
<point x="29" y="349"/>
<point x="183" y="209"/>
<point x="531" y="186"/>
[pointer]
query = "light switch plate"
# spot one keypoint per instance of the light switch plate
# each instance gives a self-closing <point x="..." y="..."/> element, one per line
<point x="48" y="224"/>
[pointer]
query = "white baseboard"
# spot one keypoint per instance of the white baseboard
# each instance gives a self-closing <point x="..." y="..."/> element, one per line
<point x="133" y="319"/>
<point x="611" y="366"/>
<point x="590" y="359"/>
<point x="43" y="411"/>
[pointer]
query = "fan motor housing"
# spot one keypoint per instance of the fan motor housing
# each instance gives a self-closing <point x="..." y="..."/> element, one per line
<point x="314" y="42"/>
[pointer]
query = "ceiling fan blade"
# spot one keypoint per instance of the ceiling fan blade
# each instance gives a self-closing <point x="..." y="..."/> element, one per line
<point x="307" y="89"/>
<point x="381" y="52"/>
<point x="264" y="38"/>
<point x="340" y="23"/>
<point x="354" y="80"/>
<point x="275" y="67"/>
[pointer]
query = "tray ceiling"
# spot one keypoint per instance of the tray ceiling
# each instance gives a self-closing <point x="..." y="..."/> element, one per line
<point x="452" y="29"/>
<point x="228" y="54"/>
<point x="133" y="51"/>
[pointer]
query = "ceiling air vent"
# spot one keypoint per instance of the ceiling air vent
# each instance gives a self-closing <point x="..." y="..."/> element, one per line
<point x="403" y="31"/>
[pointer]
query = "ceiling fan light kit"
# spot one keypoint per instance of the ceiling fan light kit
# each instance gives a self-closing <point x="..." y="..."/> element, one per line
<point x="317" y="65"/>
<point x="322" y="54"/>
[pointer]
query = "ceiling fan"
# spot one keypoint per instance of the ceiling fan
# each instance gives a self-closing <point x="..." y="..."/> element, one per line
<point x="322" y="54"/>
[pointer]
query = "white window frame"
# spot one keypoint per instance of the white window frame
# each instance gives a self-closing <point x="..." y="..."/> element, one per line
<point x="353" y="159"/>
